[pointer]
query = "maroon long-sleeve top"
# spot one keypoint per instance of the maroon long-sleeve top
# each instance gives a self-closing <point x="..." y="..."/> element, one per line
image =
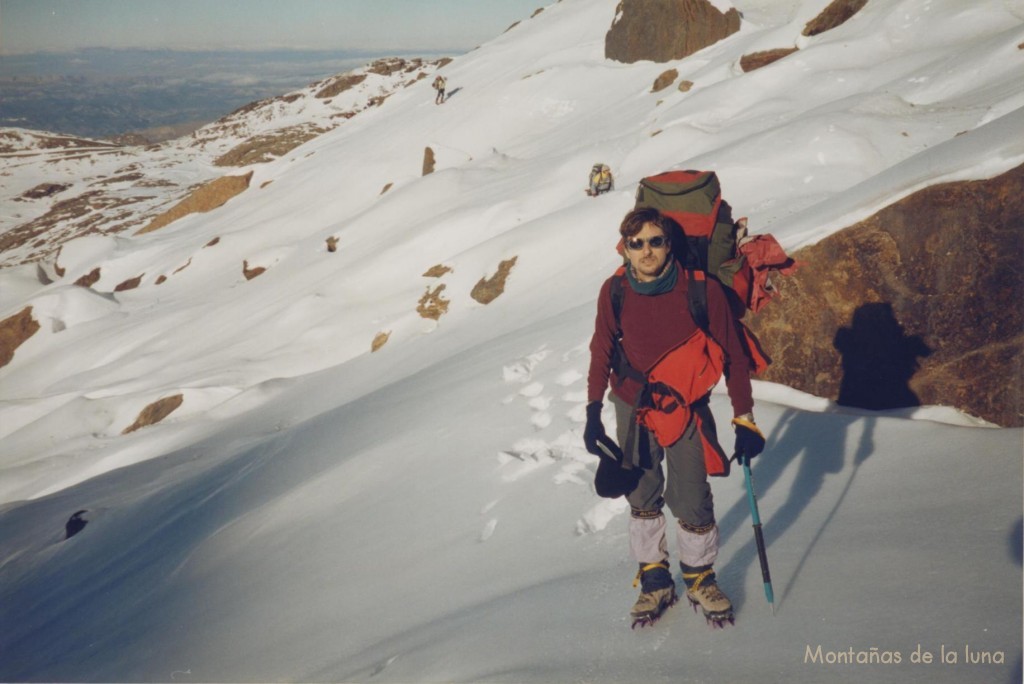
<point x="652" y="325"/>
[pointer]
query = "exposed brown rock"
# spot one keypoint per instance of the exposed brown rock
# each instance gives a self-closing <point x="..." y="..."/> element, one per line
<point x="155" y="412"/>
<point x="57" y="268"/>
<point x="75" y="216"/>
<point x="488" y="289"/>
<point x="432" y="305"/>
<point x="14" y="330"/>
<point x="756" y="60"/>
<point x="90" y="278"/>
<point x="204" y="198"/>
<point x="129" y="284"/>
<point x="45" y="190"/>
<point x="666" y="30"/>
<point x="436" y="271"/>
<point x="267" y="147"/>
<point x="428" y="161"/>
<point x="836" y="14"/>
<point x="380" y="340"/>
<point x="918" y="304"/>
<point x="251" y="273"/>
<point x="123" y="178"/>
<point x="339" y="84"/>
<point x="666" y="79"/>
<point x="392" y="65"/>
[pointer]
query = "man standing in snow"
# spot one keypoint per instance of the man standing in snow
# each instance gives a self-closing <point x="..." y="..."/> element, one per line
<point x="439" y="85"/>
<point x="650" y="347"/>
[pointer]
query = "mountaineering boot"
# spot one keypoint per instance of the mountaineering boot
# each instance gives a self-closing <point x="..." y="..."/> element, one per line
<point x="657" y="592"/>
<point x="702" y="591"/>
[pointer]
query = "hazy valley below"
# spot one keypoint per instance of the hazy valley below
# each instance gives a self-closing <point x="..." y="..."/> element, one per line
<point x="158" y="94"/>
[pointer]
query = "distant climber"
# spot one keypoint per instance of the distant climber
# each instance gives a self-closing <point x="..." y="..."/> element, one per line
<point x="439" y="85"/>
<point x="600" y="180"/>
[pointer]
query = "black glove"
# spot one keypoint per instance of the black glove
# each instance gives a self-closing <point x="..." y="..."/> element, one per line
<point x="749" y="440"/>
<point x="595" y="439"/>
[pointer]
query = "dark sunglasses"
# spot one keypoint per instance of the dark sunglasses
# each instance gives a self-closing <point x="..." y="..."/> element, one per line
<point x="636" y="244"/>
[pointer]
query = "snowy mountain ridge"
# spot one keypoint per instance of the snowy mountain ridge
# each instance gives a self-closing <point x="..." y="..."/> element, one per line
<point x="351" y="490"/>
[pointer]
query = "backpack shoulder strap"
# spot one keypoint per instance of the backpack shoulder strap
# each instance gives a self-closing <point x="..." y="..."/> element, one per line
<point x="620" y="364"/>
<point x="618" y="294"/>
<point x="697" y="294"/>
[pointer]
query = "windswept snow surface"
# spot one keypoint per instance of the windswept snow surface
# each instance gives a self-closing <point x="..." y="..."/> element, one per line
<point x="425" y="513"/>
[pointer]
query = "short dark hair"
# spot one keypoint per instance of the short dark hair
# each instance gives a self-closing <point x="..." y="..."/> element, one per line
<point x="634" y="222"/>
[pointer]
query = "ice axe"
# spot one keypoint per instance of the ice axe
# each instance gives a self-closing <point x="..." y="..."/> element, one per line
<point x="758" y="535"/>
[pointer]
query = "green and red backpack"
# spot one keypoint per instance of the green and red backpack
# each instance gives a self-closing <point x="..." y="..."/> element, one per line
<point x="707" y="244"/>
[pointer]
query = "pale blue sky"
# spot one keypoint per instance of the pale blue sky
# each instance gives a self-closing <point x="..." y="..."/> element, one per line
<point x="63" y="25"/>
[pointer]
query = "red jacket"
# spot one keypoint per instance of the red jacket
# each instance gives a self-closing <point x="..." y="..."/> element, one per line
<point x="652" y="326"/>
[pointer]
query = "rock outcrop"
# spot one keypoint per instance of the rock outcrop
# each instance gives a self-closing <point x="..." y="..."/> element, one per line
<point x="14" y="331"/>
<point x="756" y="60"/>
<point x="204" y="198"/>
<point x="665" y="30"/>
<point x="919" y="304"/>
<point x="836" y="14"/>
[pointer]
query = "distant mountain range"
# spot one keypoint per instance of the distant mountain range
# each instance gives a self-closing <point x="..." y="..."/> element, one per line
<point x="158" y="94"/>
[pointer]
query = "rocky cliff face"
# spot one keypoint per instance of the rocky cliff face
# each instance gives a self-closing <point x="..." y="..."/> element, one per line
<point x="665" y="30"/>
<point x="922" y="303"/>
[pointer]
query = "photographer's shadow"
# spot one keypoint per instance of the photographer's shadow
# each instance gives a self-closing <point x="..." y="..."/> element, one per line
<point x="878" y="360"/>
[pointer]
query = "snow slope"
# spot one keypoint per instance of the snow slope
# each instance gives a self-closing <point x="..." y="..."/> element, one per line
<point x="317" y="512"/>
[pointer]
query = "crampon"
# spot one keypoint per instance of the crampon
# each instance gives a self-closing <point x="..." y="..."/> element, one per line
<point x="649" y="618"/>
<point x="718" y="618"/>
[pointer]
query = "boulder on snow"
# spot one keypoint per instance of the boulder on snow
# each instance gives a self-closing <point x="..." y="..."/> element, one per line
<point x="756" y="60"/>
<point x="89" y="279"/>
<point x="428" y="161"/>
<point x="129" y="284"/>
<point x="919" y="304"/>
<point x="155" y="412"/>
<point x="436" y="271"/>
<point x="432" y="305"/>
<point x="664" y="80"/>
<point x="14" y="331"/>
<point x="665" y="30"/>
<point x="206" y="197"/>
<point x="252" y="272"/>
<point x="379" y="340"/>
<point x="836" y="14"/>
<point x="488" y="289"/>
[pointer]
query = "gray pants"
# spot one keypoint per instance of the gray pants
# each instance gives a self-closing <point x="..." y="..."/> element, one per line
<point x="685" y="490"/>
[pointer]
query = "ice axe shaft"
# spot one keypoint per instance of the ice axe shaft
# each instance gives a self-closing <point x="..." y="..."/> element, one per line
<point x="758" y="534"/>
